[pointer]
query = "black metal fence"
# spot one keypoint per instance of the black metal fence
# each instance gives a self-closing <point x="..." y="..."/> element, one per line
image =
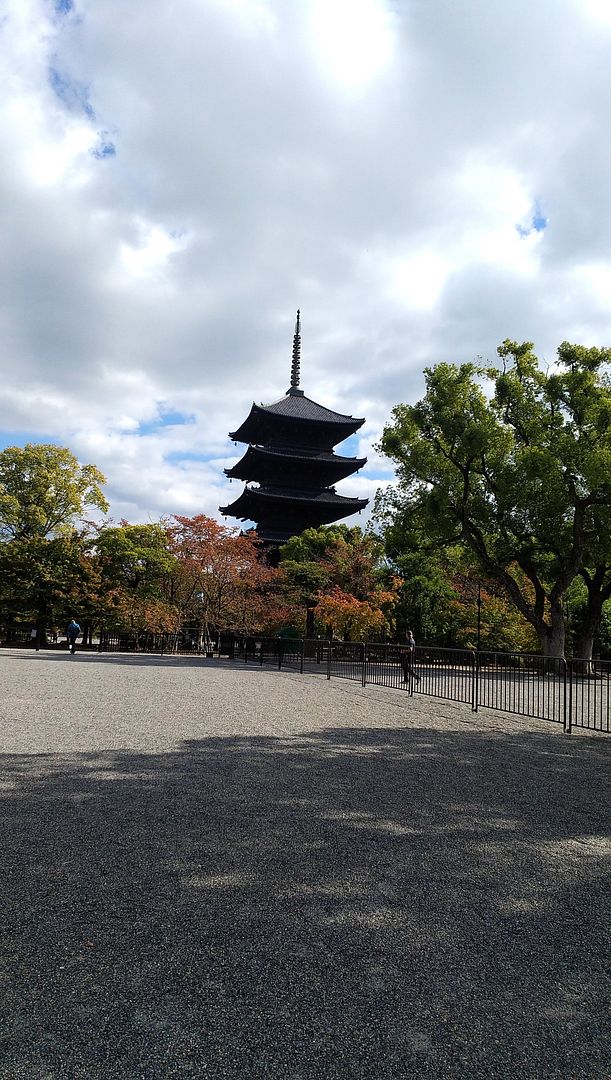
<point x="575" y="693"/>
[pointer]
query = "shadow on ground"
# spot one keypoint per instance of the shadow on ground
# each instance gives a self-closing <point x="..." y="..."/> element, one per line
<point x="354" y="903"/>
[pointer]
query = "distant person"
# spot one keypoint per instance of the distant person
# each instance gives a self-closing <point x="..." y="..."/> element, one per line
<point x="72" y="633"/>
<point x="407" y="652"/>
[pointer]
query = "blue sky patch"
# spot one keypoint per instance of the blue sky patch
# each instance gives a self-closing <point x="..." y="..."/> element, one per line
<point x="71" y="93"/>
<point x="177" y="456"/>
<point x="20" y="438"/>
<point x="104" y="149"/>
<point x="349" y="448"/>
<point x="538" y="223"/>
<point x="63" y="7"/>
<point x="166" y="418"/>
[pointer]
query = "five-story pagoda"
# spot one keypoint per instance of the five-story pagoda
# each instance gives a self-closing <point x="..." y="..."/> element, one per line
<point x="291" y="458"/>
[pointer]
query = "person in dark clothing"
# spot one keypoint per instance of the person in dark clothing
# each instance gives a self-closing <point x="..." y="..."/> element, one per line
<point x="407" y="658"/>
<point x="72" y="633"/>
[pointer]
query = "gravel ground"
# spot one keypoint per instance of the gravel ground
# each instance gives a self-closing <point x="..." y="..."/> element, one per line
<point x="218" y="871"/>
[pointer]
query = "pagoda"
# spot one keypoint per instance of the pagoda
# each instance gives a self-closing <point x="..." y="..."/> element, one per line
<point x="290" y="457"/>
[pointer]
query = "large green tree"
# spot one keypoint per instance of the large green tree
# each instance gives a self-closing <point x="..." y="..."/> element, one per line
<point x="45" y="491"/>
<point x="47" y="581"/>
<point x="136" y="570"/>
<point x="514" y="463"/>
<point x="448" y="601"/>
<point x="45" y="568"/>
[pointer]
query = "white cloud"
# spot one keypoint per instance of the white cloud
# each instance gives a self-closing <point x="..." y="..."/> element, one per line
<point x="151" y="251"/>
<point x="417" y="280"/>
<point x="352" y="40"/>
<point x="600" y="10"/>
<point x="422" y="180"/>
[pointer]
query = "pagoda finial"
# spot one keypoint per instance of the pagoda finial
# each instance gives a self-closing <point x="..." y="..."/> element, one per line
<point x="294" y="387"/>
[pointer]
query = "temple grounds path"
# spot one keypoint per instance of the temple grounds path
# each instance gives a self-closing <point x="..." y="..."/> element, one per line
<point x="217" y="871"/>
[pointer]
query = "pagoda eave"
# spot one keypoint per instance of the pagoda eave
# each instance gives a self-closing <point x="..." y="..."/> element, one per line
<point x="265" y="464"/>
<point x="289" y="419"/>
<point x="255" y="503"/>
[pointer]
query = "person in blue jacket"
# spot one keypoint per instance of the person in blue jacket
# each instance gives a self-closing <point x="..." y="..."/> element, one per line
<point x="72" y="633"/>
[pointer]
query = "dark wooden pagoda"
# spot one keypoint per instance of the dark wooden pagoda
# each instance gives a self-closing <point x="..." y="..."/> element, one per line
<point x="290" y="457"/>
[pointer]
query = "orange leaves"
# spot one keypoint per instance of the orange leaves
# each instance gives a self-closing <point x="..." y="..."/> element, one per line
<point x="350" y="617"/>
<point x="220" y="577"/>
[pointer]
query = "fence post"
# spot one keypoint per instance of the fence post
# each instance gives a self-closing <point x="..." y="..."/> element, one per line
<point x="162" y="644"/>
<point x="279" y="654"/>
<point x="364" y="663"/>
<point x="329" y="647"/>
<point x="301" y="656"/>
<point x="568" y="705"/>
<point x="475" y="682"/>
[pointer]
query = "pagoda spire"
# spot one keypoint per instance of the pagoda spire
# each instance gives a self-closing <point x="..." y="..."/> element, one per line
<point x="294" y="387"/>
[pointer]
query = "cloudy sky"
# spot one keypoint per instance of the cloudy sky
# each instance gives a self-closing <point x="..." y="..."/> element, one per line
<point x="423" y="178"/>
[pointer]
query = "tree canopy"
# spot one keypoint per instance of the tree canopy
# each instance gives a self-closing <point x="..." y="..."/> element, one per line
<point x="44" y="491"/>
<point x="520" y="476"/>
<point x="336" y="573"/>
<point x="221" y="578"/>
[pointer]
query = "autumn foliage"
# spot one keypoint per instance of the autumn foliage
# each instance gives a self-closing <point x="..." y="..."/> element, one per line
<point x="355" y="619"/>
<point x="220" y="576"/>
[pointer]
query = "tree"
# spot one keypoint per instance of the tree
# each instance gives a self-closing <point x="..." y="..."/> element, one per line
<point x="521" y="478"/>
<point x="136" y="568"/>
<point x="44" y="496"/>
<point x="220" y="578"/>
<point x="47" y="580"/>
<point x="45" y="492"/>
<point x="354" y="619"/>
<point x="337" y="574"/>
<point x="448" y="601"/>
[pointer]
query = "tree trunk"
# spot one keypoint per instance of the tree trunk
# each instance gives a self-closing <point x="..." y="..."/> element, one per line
<point x="41" y="625"/>
<point x="599" y="588"/>
<point x="552" y="638"/>
<point x="584" y="646"/>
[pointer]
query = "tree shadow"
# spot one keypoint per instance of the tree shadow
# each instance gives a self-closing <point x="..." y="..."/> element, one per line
<point x="379" y="903"/>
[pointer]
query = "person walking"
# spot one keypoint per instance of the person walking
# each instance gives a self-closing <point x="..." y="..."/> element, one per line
<point x="72" y="633"/>
<point x="407" y="658"/>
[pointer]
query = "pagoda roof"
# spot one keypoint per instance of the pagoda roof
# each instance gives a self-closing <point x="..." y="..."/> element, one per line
<point x="298" y="405"/>
<point x="253" y="500"/>
<point x="262" y="455"/>
<point x="294" y="407"/>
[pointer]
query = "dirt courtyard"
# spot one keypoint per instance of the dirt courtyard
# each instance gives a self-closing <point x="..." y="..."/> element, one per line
<point x="219" y="871"/>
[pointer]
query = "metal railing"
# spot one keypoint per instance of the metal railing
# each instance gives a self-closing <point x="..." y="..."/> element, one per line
<point x="523" y="683"/>
<point x="346" y="660"/>
<point x="589" y="692"/>
<point x="446" y="673"/>
<point x="573" y="693"/>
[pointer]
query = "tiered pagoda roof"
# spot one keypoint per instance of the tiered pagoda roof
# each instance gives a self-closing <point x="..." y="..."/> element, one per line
<point x="294" y="419"/>
<point x="291" y="458"/>
<point x="299" y="463"/>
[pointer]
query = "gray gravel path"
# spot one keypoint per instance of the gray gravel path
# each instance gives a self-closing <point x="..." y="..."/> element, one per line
<point x="219" y="871"/>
